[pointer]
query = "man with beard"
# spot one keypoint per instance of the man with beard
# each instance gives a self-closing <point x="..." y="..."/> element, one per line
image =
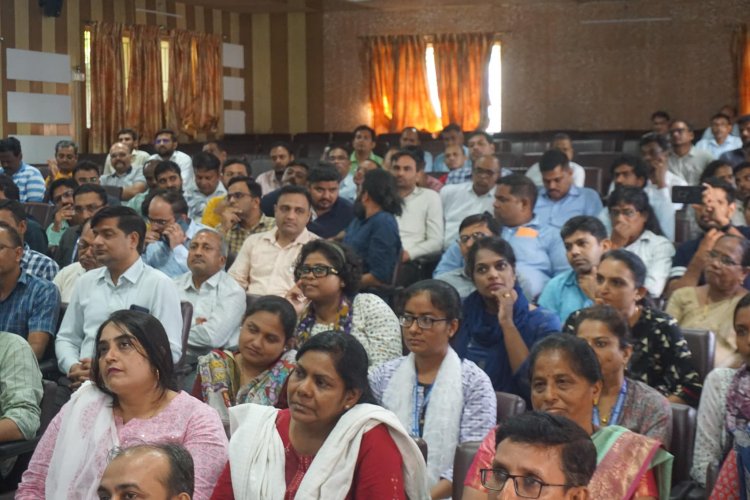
<point x="331" y="213"/>
<point x="585" y="239"/>
<point x="168" y="176"/>
<point x="281" y="156"/>
<point x="126" y="176"/>
<point x="740" y="155"/>
<point x="165" y="143"/>
<point x="66" y="157"/>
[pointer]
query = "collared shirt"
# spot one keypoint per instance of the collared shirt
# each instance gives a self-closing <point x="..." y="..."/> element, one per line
<point x="53" y="237"/>
<point x="138" y="158"/>
<point x="562" y="295"/>
<point x="661" y="203"/>
<point x="579" y="174"/>
<point x="334" y="221"/>
<point x="457" y="279"/>
<point x="32" y="306"/>
<point x="347" y="188"/>
<point x="218" y="307"/>
<point x="126" y="179"/>
<point x="460" y="201"/>
<point x="715" y="149"/>
<point x="96" y="297"/>
<point x="656" y="251"/>
<point x="355" y="163"/>
<point x="237" y="235"/>
<point x="171" y="261"/>
<point x="690" y="166"/>
<point x="263" y="267"/>
<point x="30" y="183"/>
<point x="268" y="181"/>
<point x="186" y="167"/>
<point x="420" y="225"/>
<point x="66" y="280"/>
<point x="38" y="264"/>
<point x="439" y="164"/>
<point x="197" y="201"/>
<point x="22" y="387"/>
<point x="734" y="157"/>
<point x="578" y="201"/>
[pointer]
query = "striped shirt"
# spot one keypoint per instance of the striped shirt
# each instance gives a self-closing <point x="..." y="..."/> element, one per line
<point x="30" y="183"/>
<point x="32" y="306"/>
<point x="38" y="264"/>
<point x="22" y="384"/>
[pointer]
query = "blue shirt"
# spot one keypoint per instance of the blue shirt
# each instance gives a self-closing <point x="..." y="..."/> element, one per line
<point x="30" y="183"/>
<point x="32" y="306"/>
<point x="38" y="264"/>
<point x="171" y="261"/>
<point x="377" y="243"/>
<point x="734" y="157"/>
<point x="578" y="201"/>
<point x="563" y="295"/>
<point x="334" y="221"/>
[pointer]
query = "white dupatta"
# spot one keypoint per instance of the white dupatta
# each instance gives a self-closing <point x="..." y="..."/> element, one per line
<point x="256" y="454"/>
<point x="86" y="436"/>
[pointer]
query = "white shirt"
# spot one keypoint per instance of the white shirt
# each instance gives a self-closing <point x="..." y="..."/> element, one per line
<point x="691" y="166"/>
<point x="218" y="307"/>
<point x="268" y="181"/>
<point x="186" y="167"/>
<point x="347" y="188"/>
<point x="95" y="297"/>
<point x="66" y="280"/>
<point x="197" y="201"/>
<point x="421" y="223"/>
<point x="579" y="174"/>
<point x="715" y="149"/>
<point x="661" y="203"/>
<point x="656" y="252"/>
<point x="460" y="201"/>
<point x="138" y="158"/>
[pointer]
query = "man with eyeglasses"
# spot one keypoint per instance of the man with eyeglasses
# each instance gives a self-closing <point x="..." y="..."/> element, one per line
<point x="685" y="159"/>
<point x="36" y="263"/>
<point x="340" y="156"/>
<point x="165" y="143"/>
<point x="68" y="275"/>
<point x="540" y="455"/>
<point x="87" y="200"/>
<point x="242" y="215"/>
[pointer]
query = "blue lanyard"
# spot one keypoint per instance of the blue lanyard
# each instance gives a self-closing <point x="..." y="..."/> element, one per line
<point x="614" y="416"/>
<point x="418" y="410"/>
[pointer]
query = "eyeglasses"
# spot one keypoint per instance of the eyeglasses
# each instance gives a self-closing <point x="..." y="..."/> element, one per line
<point x="484" y="171"/>
<point x="159" y="222"/>
<point x="526" y="486"/>
<point x="162" y="141"/>
<point x="425" y="322"/>
<point x="88" y="180"/>
<point x="318" y="271"/>
<point x="79" y="209"/>
<point x="237" y="196"/>
<point x="721" y="259"/>
<point x="67" y="194"/>
<point x="465" y="238"/>
<point x="625" y="212"/>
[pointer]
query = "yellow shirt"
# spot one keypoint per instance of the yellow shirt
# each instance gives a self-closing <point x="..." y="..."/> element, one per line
<point x="211" y="217"/>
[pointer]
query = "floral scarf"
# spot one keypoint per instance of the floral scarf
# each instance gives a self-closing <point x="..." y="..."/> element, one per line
<point x="343" y="321"/>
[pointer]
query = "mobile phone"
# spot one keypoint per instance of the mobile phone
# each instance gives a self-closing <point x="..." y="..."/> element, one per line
<point x="134" y="307"/>
<point x="692" y="195"/>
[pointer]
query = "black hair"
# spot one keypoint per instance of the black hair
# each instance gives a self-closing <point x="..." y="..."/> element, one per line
<point x="68" y="182"/>
<point x="15" y="208"/>
<point x="219" y="144"/>
<point x="278" y="306"/>
<point x="609" y="316"/>
<point x="688" y="125"/>
<point x="165" y="131"/>
<point x="282" y="144"/>
<point x="295" y="163"/>
<point x="640" y="169"/>
<point x="741" y="166"/>
<point x="661" y="114"/>
<point x="552" y="159"/>
<point x="153" y="339"/>
<point x="349" y="358"/>
<point x="9" y="188"/>
<point x="722" y="116"/>
<point x="167" y="166"/>
<point x="585" y="223"/>
<point x="632" y="262"/>
<point x="711" y="168"/>
<point x="657" y="139"/>
<point x="65" y="143"/>
<point x="240" y="161"/>
<point x="340" y="145"/>
<point x="578" y="353"/>
<point x="175" y="199"/>
<point x="368" y="129"/>
<point x="577" y="450"/>
<point x="92" y="188"/>
<point x="743" y="120"/>
<point x="290" y="189"/>
<point x="520" y="186"/>
<point x="255" y="190"/>
<point x="743" y="303"/>
<point x="341" y="257"/>
<point x="414" y="153"/>
<point x="482" y="133"/>
<point x="728" y="189"/>
<point x="443" y="297"/>
<point x="630" y="195"/>
<point x="206" y="161"/>
<point x="15" y="236"/>
<point x="485" y="218"/>
<point x="496" y="245"/>
<point x="380" y="186"/>
<point x="324" y="172"/>
<point x="452" y="127"/>
<point x="87" y="166"/>
<point x="129" y="131"/>
<point x="128" y="221"/>
<point x="181" y="476"/>
<point x="10" y="145"/>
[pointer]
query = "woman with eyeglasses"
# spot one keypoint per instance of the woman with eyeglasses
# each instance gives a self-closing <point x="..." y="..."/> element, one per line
<point x="710" y="306"/>
<point x="437" y="396"/>
<point x="499" y="324"/>
<point x="328" y="275"/>
<point x="636" y="228"/>
<point x="566" y="380"/>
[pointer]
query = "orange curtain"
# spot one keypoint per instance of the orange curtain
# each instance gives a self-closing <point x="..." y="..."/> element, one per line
<point x="381" y="63"/>
<point x="107" y="102"/>
<point x="461" y="63"/>
<point x="742" y="68"/>
<point x="144" y="104"/>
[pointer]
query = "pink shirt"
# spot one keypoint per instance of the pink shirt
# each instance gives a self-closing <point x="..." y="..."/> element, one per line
<point x="185" y="420"/>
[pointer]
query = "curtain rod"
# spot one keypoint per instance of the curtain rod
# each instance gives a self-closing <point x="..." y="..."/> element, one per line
<point x="160" y="26"/>
<point x="495" y="34"/>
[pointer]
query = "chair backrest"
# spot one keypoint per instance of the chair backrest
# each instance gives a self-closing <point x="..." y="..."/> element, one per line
<point x="53" y="398"/>
<point x="186" y="308"/>
<point x="683" y="437"/>
<point x="508" y="405"/>
<point x="422" y="444"/>
<point x="702" y="344"/>
<point x="114" y="192"/>
<point x="462" y="461"/>
<point x="43" y="213"/>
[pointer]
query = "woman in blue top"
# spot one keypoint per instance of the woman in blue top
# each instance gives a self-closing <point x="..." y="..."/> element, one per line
<point x="373" y="233"/>
<point x="500" y="325"/>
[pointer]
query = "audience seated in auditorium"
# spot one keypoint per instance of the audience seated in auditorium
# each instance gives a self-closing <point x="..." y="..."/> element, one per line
<point x="242" y="215"/>
<point x="655" y="152"/>
<point x="328" y="281"/>
<point x="34" y="237"/>
<point x="281" y="155"/>
<point x="125" y="282"/>
<point x="742" y="180"/>
<point x="295" y="175"/>
<point x="132" y="399"/>
<point x="28" y="179"/>
<point x="218" y="301"/>
<point x="60" y="193"/>
<point x="363" y="144"/>
<point x="585" y="240"/>
<point x="264" y="263"/>
<point x="87" y="200"/>
<point x="480" y="144"/>
<point x="561" y="199"/>
<point x="159" y="470"/>
<point x="729" y="111"/>
<point x="231" y="168"/>
<point x="206" y="168"/>
<point x="32" y="262"/>
<point x="343" y="444"/>
<point x="712" y="438"/>
<point x="86" y="172"/>
<point x="450" y="158"/>
<point x="562" y="143"/>
<point x="660" y="121"/>
<point x="217" y="149"/>
<point x="565" y="380"/>
<point x="339" y="155"/>
<point x="462" y="405"/>
<point x="623" y="401"/>
<point x="409" y="138"/>
<point x="165" y="143"/>
<point x="64" y="161"/>
<point x="255" y="370"/>
<point x="124" y="175"/>
<point x="710" y="306"/>
<point x="686" y="160"/>
<point x="472" y="229"/>
<point x="138" y="158"/>
<point x="331" y="213"/>
<point x="661" y="357"/>
<point x="721" y="140"/>
<point x="741" y="154"/>
<point x="66" y="279"/>
<point x="149" y="173"/>
<point x="21" y="390"/>
<point x="636" y="228"/>
<point x="374" y="234"/>
<point x="499" y="324"/>
<point x="476" y="196"/>
<point x="29" y="305"/>
<point x="168" y="176"/>
<point x="359" y="176"/>
<point x="169" y="233"/>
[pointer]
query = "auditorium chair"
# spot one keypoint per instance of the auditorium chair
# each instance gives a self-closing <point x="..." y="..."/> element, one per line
<point x="702" y="344"/>
<point x="422" y="445"/>
<point x="462" y="461"/>
<point x="683" y="438"/>
<point x="181" y="368"/>
<point x="508" y="405"/>
<point x="43" y="213"/>
<point x="114" y="192"/>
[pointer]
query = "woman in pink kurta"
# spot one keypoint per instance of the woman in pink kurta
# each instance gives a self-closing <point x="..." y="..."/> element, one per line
<point x="131" y="399"/>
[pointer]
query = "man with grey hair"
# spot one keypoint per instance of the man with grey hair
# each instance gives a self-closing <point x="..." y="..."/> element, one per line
<point x="218" y="300"/>
<point x="66" y="157"/>
<point x="163" y="471"/>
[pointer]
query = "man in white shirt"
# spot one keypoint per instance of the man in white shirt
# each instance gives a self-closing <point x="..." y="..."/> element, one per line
<point x="124" y="282"/>
<point x="207" y="171"/>
<point x="138" y="158"/>
<point x="218" y="301"/>
<point x="475" y="197"/>
<point x="281" y="156"/>
<point x="685" y="159"/>
<point x="68" y="276"/>
<point x="561" y="142"/>
<point x="125" y="175"/>
<point x="421" y="223"/>
<point x="721" y="140"/>
<point x="165" y="143"/>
